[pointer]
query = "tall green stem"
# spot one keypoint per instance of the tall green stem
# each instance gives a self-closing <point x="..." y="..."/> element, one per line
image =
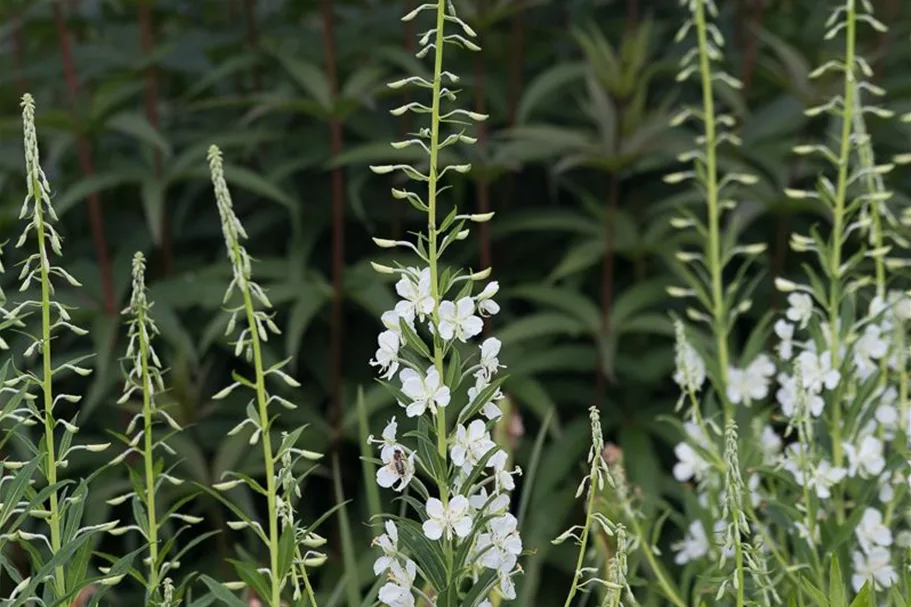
<point x="432" y="216"/>
<point x="148" y="454"/>
<point x="583" y="544"/>
<point x="269" y="459"/>
<point x="838" y="221"/>
<point x="713" y="203"/>
<point x="46" y="385"/>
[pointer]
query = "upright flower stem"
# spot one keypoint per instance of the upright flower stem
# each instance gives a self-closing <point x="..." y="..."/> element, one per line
<point x="84" y="148"/>
<point x="149" y="455"/>
<point x="46" y="385"/>
<point x="838" y="221"/>
<point x="714" y="207"/>
<point x="586" y="530"/>
<point x="269" y="460"/>
<point x="431" y="219"/>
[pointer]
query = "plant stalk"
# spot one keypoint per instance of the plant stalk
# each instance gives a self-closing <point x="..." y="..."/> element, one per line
<point x="149" y="455"/>
<point x="46" y="386"/>
<point x="714" y="206"/>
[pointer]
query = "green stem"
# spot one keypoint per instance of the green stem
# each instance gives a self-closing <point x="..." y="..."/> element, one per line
<point x="657" y="569"/>
<point x="738" y="563"/>
<point x="46" y="385"/>
<point x="433" y="178"/>
<point x="261" y="401"/>
<point x="714" y="206"/>
<point x="432" y="213"/>
<point x="148" y="455"/>
<point x="837" y="235"/>
<point x="583" y="544"/>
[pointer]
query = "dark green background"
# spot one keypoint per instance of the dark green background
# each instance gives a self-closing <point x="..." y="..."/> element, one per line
<point x="130" y="95"/>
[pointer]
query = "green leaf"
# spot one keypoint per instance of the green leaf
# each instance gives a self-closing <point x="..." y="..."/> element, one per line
<point x="99" y="182"/>
<point x="548" y="83"/>
<point x="251" y="577"/>
<point x="136" y="125"/>
<point x="423" y="552"/>
<point x="307" y="75"/>
<point x="221" y="593"/>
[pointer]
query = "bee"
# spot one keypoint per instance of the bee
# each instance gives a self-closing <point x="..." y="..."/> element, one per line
<point x="398" y="461"/>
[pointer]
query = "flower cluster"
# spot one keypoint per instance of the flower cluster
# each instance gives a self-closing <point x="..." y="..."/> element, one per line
<point x="829" y="409"/>
<point x="425" y="359"/>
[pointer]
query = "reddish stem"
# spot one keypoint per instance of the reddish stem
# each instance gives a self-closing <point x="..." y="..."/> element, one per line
<point x="150" y="95"/>
<point x="338" y="225"/>
<point x="752" y="46"/>
<point x="253" y="40"/>
<point x="632" y="14"/>
<point x="19" y="54"/>
<point x="483" y="184"/>
<point x="84" y="149"/>
<point x="516" y="47"/>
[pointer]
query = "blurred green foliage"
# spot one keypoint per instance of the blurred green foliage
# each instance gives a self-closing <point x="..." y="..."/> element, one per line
<point x="132" y="92"/>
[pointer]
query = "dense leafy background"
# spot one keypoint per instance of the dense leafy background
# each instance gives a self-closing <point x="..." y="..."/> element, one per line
<point x="131" y="93"/>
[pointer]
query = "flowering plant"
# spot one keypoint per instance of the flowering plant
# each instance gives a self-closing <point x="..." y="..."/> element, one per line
<point x="468" y="544"/>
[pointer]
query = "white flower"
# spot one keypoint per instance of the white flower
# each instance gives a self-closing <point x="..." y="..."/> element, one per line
<point x="458" y="320"/>
<point x="470" y="445"/>
<point x="750" y="384"/>
<point x="785" y="332"/>
<point x="867" y="459"/>
<point x="690" y="372"/>
<point x="507" y="587"/>
<point x="486" y="305"/>
<point x="691" y="463"/>
<point x="498" y="505"/>
<point x="387" y="356"/>
<point x="816" y="370"/>
<point x="391" y="320"/>
<point x="875" y="566"/>
<point x="886" y="490"/>
<point x="503" y="480"/>
<point x="489" y="409"/>
<point x="903" y="539"/>
<point x="869" y="348"/>
<point x="804" y="533"/>
<point x="753" y="486"/>
<point x="490" y="349"/>
<point x="887" y="415"/>
<point x="787" y="398"/>
<point x="398" y="468"/>
<point x="397" y="592"/>
<point x="388" y="442"/>
<point x="824" y="476"/>
<point x="444" y="520"/>
<point x="485" y="603"/>
<point x="500" y="548"/>
<point x="693" y="546"/>
<point x="770" y="443"/>
<point x="871" y="532"/>
<point x="388" y="542"/>
<point x="801" y="308"/>
<point x="424" y="392"/>
<point x="414" y="289"/>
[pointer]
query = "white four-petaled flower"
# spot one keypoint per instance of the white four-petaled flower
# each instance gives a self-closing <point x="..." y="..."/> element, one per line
<point x="470" y="444"/>
<point x="875" y="566"/>
<point x="446" y="520"/>
<point x="800" y="308"/>
<point x="457" y="320"/>
<point x="425" y="392"/>
<point x="387" y="355"/>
